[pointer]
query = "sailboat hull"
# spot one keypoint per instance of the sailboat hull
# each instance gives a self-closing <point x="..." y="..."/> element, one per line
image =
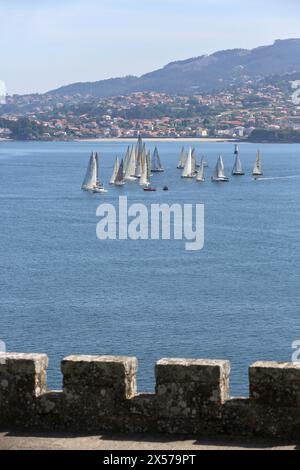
<point x="99" y="190"/>
<point x="220" y="180"/>
<point x="160" y="170"/>
<point x="189" y="176"/>
<point x="238" y="173"/>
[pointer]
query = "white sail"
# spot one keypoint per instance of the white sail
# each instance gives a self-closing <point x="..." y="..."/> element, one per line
<point x="115" y="170"/>
<point x="90" y="179"/>
<point x="140" y="151"/>
<point x="257" y="170"/>
<point x="148" y="159"/>
<point x="144" y="172"/>
<point x="126" y="160"/>
<point x="141" y="155"/>
<point x="156" y="162"/>
<point x="237" y="167"/>
<point x="201" y="172"/>
<point x="130" y="170"/>
<point x="188" y="171"/>
<point x="193" y="161"/>
<point x="182" y="159"/>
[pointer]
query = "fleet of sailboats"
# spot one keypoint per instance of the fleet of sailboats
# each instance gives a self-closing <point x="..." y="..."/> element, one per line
<point x="139" y="164"/>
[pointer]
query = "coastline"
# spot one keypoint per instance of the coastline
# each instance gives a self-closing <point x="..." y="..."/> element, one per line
<point x="158" y="139"/>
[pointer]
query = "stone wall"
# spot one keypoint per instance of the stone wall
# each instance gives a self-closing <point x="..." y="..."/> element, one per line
<point x="191" y="397"/>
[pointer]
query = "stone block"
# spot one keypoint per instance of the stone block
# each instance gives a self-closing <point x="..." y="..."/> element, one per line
<point x="275" y="383"/>
<point x="185" y="386"/>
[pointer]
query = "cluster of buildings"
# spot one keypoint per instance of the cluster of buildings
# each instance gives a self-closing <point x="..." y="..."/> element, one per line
<point x="227" y="114"/>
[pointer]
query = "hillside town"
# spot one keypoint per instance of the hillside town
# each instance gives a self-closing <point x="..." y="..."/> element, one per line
<point x="232" y="114"/>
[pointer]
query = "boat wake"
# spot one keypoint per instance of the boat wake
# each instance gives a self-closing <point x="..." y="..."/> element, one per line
<point x="272" y="178"/>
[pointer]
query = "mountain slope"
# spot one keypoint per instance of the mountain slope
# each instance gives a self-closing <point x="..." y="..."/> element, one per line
<point x="203" y="74"/>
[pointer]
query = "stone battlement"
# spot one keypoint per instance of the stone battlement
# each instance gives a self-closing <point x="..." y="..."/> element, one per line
<point x="192" y="397"/>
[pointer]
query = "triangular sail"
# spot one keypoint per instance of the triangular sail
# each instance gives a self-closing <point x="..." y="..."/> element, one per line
<point x="201" y="172"/>
<point x="120" y="175"/>
<point x="130" y="170"/>
<point x="115" y="171"/>
<point x="219" y="172"/>
<point x="156" y="162"/>
<point x="220" y="166"/>
<point x="257" y="170"/>
<point x="237" y="167"/>
<point x="141" y="154"/>
<point x="91" y="174"/>
<point x="187" y="170"/>
<point x="193" y="161"/>
<point x="182" y="159"/>
<point x="144" y="172"/>
<point x="126" y="159"/>
<point x="148" y="159"/>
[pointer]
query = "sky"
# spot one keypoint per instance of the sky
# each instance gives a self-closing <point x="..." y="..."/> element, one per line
<point x="49" y="43"/>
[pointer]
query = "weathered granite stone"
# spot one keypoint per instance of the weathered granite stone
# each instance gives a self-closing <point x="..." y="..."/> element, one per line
<point x="275" y="383"/>
<point x="97" y="386"/>
<point x="185" y="386"/>
<point x="191" y="398"/>
<point x="99" y="374"/>
<point x="22" y="379"/>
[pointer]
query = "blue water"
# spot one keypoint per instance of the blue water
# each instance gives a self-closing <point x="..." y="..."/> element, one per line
<point x="62" y="291"/>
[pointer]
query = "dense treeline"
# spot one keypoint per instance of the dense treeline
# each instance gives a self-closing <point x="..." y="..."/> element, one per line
<point x="23" y="129"/>
<point x="275" y="136"/>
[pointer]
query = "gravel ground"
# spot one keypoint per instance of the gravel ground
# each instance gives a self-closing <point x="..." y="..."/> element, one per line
<point x="20" y="441"/>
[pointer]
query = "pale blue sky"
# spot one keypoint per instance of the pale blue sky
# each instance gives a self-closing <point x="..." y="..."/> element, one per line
<point x="45" y="44"/>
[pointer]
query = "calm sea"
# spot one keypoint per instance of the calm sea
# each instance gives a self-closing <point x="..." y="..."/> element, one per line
<point x="64" y="292"/>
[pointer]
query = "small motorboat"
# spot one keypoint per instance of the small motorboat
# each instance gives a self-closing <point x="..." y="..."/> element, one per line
<point x="149" y="189"/>
<point x="165" y="188"/>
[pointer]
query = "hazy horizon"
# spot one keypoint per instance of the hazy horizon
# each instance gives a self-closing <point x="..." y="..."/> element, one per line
<point x="47" y="46"/>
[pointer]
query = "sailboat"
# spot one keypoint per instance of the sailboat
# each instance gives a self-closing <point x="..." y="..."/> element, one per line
<point x="91" y="181"/>
<point x="119" y="179"/>
<point x="130" y="169"/>
<point x="201" y="172"/>
<point x="189" y="167"/>
<point x="257" y="170"/>
<point x="115" y="170"/>
<point x="237" y="167"/>
<point x="182" y="159"/>
<point x="156" y="166"/>
<point x="144" y="172"/>
<point x="219" y="171"/>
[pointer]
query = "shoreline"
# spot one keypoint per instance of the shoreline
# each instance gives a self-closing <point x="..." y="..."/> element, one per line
<point x="151" y="139"/>
<point x="158" y="139"/>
